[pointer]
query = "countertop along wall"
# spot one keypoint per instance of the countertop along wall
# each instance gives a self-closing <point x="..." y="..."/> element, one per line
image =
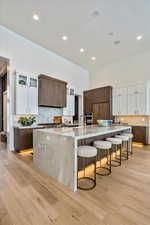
<point x="28" y="57"/>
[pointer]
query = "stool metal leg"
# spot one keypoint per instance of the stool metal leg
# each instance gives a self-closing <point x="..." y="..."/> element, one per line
<point x="108" y="169"/>
<point x="125" y="156"/>
<point x="88" y="178"/>
<point x="109" y="160"/>
<point x="120" y="154"/>
<point x="131" y="146"/>
<point x="117" y="159"/>
<point x="127" y="146"/>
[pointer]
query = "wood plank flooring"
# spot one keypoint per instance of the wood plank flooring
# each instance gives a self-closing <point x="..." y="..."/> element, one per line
<point x="3" y="146"/>
<point x="29" y="197"/>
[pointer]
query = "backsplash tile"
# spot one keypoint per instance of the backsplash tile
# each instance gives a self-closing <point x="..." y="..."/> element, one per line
<point x="46" y="114"/>
<point x="134" y="120"/>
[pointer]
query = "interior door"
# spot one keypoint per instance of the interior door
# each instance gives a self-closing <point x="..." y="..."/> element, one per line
<point x="5" y="111"/>
<point x="101" y="111"/>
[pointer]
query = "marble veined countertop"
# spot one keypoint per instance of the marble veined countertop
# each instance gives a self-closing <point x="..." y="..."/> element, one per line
<point x="83" y="132"/>
<point x="34" y="126"/>
<point x="55" y="150"/>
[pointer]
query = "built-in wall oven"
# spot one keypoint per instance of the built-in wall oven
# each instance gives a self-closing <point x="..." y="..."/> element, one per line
<point x="88" y="118"/>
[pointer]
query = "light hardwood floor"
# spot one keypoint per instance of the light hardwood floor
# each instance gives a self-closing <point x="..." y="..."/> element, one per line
<point x="29" y="197"/>
<point x="3" y="146"/>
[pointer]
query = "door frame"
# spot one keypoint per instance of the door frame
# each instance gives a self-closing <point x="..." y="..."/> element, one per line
<point x="80" y="109"/>
<point x="9" y="118"/>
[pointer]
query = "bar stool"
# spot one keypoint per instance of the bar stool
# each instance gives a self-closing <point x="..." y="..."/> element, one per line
<point x="130" y="135"/>
<point x="116" y="145"/>
<point x="125" y="145"/>
<point x="104" y="150"/>
<point x="87" y="154"/>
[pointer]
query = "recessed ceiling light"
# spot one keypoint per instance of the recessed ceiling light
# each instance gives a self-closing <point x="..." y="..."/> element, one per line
<point x="111" y="33"/>
<point x="117" y="42"/>
<point x="93" y="58"/>
<point x="139" y="37"/>
<point x="65" y="38"/>
<point x="95" y="13"/>
<point x="81" y="49"/>
<point x="36" y="17"/>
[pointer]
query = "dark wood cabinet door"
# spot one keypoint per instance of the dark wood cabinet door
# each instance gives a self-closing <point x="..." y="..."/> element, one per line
<point x="97" y="96"/>
<point x="43" y="92"/>
<point x="87" y="104"/>
<point x="52" y="92"/>
<point x="23" y="139"/>
<point x="101" y="111"/>
<point x="140" y="134"/>
<point x="95" y="112"/>
<point x="60" y="94"/>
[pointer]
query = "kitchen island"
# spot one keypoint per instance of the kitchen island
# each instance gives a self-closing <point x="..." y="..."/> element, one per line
<point x="55" y="149"/>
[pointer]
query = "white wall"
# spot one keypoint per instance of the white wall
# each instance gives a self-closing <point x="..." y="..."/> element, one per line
<point x="134" y="69"/>
<point x="25" y="56"/>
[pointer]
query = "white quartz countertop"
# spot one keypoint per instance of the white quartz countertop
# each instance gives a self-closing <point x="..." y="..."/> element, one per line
<point x="83" y="132"/>
<point x="34" y="126"/>
<point x="37" y="126"/>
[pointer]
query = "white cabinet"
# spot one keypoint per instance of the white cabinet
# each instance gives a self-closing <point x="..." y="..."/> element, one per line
<point x="137" y="100"/>
<point x="132" y="100"/>
<point x="119" y="101"/>
<point x="26" y="94"/>
<point x="69" y="110"/>
<point x="33" y="95"/>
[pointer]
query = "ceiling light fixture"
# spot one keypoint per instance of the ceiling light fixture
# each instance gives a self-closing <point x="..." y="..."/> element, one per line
<point x="35" y="17"/>
<point x="117" y="42"/>
<point x="139" y="37"/>
<point x="65" y="38"/>
<point x="95" y="13"/>
<point x="93" y="58"/>
<point x="111" y="33"/>
<point x="81" y="49"/>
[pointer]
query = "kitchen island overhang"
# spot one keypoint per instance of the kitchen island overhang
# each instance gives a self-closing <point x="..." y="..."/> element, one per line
<point x="55" y="149"/>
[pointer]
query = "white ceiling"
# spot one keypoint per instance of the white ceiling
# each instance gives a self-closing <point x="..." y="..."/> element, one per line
<point x="74" y="18"/>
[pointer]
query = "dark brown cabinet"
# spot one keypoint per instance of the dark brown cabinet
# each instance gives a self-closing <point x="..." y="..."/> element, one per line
<point x="100" y="111"/>
<point x="23" y="139"/>
<point x="99" y="102"/>
<point x="52" y="92"/>
<point x="140" y="134"/>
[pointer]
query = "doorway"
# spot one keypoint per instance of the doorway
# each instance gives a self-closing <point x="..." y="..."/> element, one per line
<point x="3" y="103"/>
<point x="76" y="116"/>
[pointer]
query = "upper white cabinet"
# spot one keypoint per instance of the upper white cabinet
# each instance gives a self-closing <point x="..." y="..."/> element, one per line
<point x="33" y="95"/>
<point x="70" y="109"/>
<point x="120" y="101"/>
<point x="137" y="100"/>
<point x="26" y="94"/>
<point x="133" y="100"/>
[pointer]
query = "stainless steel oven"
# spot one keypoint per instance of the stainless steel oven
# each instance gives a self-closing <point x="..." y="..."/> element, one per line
<point x="88" y="118"/>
